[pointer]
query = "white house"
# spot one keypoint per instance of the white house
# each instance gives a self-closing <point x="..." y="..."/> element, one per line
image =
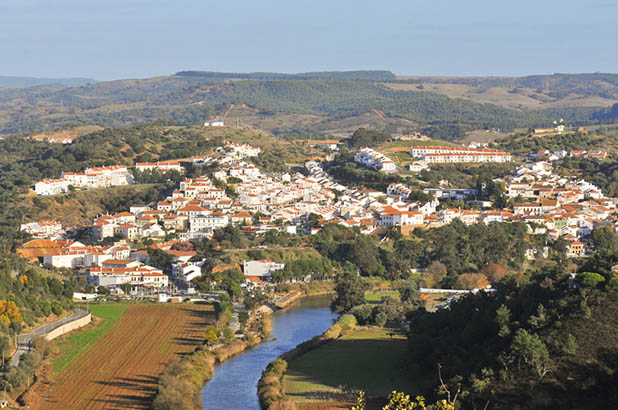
<point x="393" y="217"/>
<point x="215" y="123"/>
<point x="261" y="268"/>
<point x="52" y="186"/>
<point x="374" y="159"/>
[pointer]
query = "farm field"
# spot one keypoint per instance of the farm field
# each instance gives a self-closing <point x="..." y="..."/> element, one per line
<point x="371" y="359"/>
<point x="76" y="343"/>
<point x="120" y="369"/>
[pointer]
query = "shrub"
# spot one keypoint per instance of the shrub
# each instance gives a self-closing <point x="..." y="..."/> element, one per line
<point x="333" y="332"/>
<point x="363" y="313"/>
<point x="347" y="322"/>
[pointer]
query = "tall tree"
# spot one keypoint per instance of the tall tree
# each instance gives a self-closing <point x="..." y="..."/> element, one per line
<point x="350" y="289"/>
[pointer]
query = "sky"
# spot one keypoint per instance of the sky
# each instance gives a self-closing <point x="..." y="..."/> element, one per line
<point x="114" y="39"/>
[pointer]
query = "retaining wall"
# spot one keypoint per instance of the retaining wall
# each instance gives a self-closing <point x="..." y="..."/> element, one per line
<point x="67" y="327"/>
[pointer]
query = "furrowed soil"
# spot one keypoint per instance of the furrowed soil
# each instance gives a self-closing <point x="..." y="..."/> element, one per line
<point x="121" y="369"/>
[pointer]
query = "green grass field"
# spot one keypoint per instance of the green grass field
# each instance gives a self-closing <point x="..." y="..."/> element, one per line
<point x="72" y="346"/>
<point x="370" y="359"/>
<point x="377" y="297"/>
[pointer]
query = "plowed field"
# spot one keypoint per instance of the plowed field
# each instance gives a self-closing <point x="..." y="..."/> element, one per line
<point x="120" y="370"/>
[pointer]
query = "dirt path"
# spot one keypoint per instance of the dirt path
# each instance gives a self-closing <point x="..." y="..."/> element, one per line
<point x="121" y="369"/>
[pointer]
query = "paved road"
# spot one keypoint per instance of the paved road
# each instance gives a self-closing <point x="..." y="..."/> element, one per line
<point x="24" y="341"/>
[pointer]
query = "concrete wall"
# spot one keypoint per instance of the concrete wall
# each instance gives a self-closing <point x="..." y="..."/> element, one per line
<point x="67" y="327"/>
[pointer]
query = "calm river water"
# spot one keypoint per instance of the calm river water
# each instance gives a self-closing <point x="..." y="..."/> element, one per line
<point x="234" y="384"/>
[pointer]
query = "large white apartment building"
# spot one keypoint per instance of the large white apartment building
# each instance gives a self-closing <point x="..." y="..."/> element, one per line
<point x="446" y="155"/>
<point x="374" y="159"/>
<point x="162" y="166"/>
<point x="99" y="177"/>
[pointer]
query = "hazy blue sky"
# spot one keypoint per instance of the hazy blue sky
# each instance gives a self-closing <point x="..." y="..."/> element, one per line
<point x="108" y="39"/>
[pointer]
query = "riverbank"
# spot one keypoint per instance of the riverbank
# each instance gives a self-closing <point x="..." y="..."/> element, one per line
<point x="234" y="384"/>
<point x="182" y="381"/>
<point x="372" y="359"/>
<point x="270" y="386"/>
<point x="296" y="291"/>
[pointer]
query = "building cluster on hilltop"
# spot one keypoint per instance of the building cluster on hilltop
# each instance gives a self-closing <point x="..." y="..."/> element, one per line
<point x="240" y="194"/>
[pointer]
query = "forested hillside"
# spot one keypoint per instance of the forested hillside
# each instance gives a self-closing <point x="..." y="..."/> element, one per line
<point x="549" y="344"/>
<point x="557" y="85"/>
<point x="378" y="75"/>
<point x="192" y="97"/>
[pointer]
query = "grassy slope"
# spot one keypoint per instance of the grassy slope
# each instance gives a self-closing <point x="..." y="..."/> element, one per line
<point x="369" y="359"/>
<point x="76" y="208"/>
<point x="75" y="344"/>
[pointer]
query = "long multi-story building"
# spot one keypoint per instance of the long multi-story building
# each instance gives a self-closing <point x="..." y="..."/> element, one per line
<point x="446" y="154"/>
<point x="162" y="166"/>
<point x="99" y="177"/>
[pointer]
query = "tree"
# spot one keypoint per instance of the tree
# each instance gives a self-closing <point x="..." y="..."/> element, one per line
<point x="5" y="346"/>
<point x="159" y="258"/>
<point x="569" y="345"/>
<point x="363" y="252"/>
<point x="408" y="291"/>
<point x="212" y="335"/>
<point x="529" y="349"/>
<point x="434" y="274"/>
<point x="471" y="281"/>
<point x="503" y="319"/>
<point x="605" y="240"/>
<point x="126" y="288"/>
<point x="590" y="280"/>
<point x="350" y="289"/>
<point x="243" y="317"/>
<point x="227" y="334"/>
<point x="494" y="272"/>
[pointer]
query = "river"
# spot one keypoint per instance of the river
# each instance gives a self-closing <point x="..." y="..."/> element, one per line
<point x="234" y="384"/>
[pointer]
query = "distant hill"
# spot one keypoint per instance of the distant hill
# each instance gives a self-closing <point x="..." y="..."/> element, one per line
<point x="20" y="82"/>
<point x="376" y="75"/>
<point x="530" y="92"/>
<point x="316" y="103"/>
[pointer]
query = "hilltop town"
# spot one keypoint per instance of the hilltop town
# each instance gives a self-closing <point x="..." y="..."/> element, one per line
<point x="237" y="193"/>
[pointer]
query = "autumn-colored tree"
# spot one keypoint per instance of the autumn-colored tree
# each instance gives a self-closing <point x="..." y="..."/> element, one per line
<point x="471" y="281"/>
<point x="494" y="272"/>
<point x="10" y="311"/>
<point x="434" y="273"/>
<point x="212" y="335"/>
